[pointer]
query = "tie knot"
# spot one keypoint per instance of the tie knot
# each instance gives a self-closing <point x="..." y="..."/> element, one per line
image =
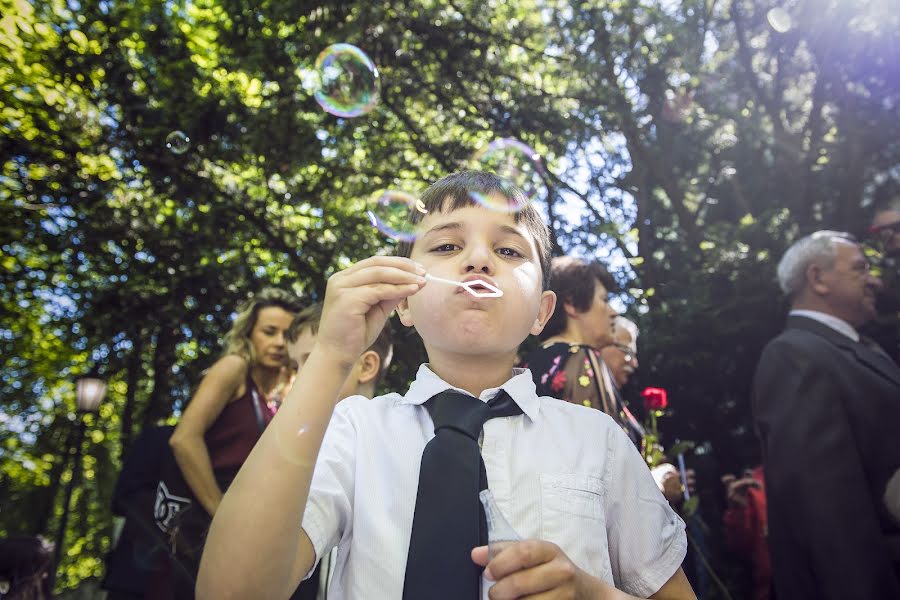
<point x="467" y="414"/>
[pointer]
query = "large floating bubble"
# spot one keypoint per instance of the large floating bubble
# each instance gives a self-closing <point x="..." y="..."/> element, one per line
<point x="178" y="142"/>
<point x="390" y="213"/>
<point x="779" y="19"/>
<point x="516" y="162"/>
<point x="346" y="81"/>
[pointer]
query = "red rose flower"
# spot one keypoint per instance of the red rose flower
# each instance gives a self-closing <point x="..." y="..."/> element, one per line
<point x="655" y="398"/>
<point x="558" y="382"/>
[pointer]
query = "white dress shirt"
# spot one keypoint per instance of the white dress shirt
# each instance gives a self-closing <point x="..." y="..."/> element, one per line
<point x="560" y="472"/>
<point x="839" y="325"/>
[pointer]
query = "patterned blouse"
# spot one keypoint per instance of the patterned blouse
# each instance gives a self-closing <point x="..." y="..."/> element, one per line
<point x="576" y="373"/>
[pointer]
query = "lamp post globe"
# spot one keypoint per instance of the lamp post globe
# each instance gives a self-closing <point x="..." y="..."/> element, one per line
<point x="89" y="393"/>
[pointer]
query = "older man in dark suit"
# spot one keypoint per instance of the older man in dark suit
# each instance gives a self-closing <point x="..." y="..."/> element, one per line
<point x="827" y="407"/>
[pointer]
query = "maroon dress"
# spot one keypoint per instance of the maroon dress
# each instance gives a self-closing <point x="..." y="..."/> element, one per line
<point x="234" y="433"/>
<point x="229" y="441"/>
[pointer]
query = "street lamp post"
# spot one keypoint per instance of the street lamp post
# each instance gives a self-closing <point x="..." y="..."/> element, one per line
<point x="89" y="394"/>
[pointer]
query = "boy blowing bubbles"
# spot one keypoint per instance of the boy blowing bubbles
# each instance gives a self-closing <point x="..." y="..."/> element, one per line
<point x="566" y="477"/>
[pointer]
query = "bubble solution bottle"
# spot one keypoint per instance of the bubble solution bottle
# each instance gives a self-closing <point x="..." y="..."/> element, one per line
<point x="501" y="535"/>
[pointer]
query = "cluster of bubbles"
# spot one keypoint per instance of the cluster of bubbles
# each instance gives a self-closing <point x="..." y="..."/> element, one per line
<point x="345" y="83"/>
<point x="396" y="213"/>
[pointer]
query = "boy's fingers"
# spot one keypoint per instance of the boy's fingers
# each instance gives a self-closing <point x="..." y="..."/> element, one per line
<point x="399" y="262"/>
<point x="388" y="292"/>
<point x="380" y="274"/>
<point x="480" y="556"/>
<point x="521" y="555"/>
<point x="530" y="583"/>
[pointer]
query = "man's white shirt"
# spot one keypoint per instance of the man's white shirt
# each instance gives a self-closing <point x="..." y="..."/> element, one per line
<point x="561" y="472"/>
<point x="839" y="325"/>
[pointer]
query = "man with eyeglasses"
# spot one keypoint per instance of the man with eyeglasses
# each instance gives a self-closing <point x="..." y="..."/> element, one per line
<point x="825" y="404"/>
<point x="885" y="233"/>
<point x="621" y="355"/>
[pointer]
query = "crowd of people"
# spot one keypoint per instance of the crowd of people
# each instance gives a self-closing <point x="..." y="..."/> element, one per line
<point x="287" y="476"/>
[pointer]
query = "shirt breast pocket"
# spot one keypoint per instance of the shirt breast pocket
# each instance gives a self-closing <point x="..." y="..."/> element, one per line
<point x="572" y="518"/>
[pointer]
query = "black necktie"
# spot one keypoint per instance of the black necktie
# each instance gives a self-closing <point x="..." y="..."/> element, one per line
<point x="449" y="519"/>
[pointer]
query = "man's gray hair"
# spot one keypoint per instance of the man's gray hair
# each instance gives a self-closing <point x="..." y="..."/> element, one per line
<point x="819" y="248"/>
<point x="630" y="327"/>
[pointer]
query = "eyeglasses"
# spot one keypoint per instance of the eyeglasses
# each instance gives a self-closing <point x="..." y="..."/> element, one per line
<point x="626" y="350"/>
<point x="887" y="228"/>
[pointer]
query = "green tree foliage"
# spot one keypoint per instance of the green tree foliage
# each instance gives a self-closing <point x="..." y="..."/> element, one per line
<point x="686" y="142"/>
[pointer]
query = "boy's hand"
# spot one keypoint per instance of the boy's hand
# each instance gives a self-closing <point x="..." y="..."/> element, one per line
<point x="358" y="301"/>
<point x="536" y="569"/>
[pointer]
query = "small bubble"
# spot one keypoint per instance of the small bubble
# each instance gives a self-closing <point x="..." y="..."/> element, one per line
<point x="390" y="211"/>
<point x="178" y="142"/>
<point x="516" y="162"/>
<point x="779" y="19"/>
<point x="302" y="430"/>
<point x="345" y="81"/>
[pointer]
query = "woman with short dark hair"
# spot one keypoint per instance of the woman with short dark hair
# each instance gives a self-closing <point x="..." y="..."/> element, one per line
<point x="568" y="365"/>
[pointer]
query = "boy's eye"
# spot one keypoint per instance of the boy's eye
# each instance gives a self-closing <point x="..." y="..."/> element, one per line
<point x="512" y="252"/>
<point x="444" y="248"/>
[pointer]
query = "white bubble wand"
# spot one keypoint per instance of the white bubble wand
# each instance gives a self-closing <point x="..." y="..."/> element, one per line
<point x="490" y="291"/>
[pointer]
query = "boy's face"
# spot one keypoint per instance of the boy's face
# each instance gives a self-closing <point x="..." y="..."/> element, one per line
<point x="299" y="351"/>
<point x="468" y="243"/>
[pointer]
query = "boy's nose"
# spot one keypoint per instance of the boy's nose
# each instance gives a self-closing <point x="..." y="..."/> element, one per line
<point x="479" y="258"/>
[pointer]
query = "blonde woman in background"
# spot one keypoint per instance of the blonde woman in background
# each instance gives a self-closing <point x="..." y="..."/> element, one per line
<point x="223" y="421"/>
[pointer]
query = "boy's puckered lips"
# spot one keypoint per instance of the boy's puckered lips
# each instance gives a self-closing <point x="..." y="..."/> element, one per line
<point x="475" y="277"/>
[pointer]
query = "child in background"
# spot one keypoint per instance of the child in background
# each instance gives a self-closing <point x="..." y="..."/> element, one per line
<point x="368" y="369"/>
<point x="366" y="475"/>
<point x="365" y="375"/>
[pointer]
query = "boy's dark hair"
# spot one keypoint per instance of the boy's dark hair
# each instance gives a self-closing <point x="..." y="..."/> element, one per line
<point x="309" y="318"/>
<point x="457" y="190"/>
<point x="574" y="281"/>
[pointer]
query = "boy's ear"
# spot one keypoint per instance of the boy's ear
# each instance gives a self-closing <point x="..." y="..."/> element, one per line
<point x="548" y="303"/>
<point x="369" y="366"/>
<point x="404" y="314"/>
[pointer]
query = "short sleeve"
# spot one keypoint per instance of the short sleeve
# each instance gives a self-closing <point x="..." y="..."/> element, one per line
<point x="329" y="509"/>
<point x="647" y="540"/>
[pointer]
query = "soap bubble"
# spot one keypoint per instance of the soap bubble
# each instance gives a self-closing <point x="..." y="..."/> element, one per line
<point x="390" y="212"/>
<point x="346" y="81"/>
<point x="178" y="142"/>
<point x="779" y="19"/>
<point x="516" y="162"/>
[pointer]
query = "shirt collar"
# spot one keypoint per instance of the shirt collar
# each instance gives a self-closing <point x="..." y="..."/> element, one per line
<point x="838" y="324"/>
<point x="520" y="387"/>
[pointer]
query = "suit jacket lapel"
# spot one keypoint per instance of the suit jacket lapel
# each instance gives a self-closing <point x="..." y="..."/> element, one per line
<point x="882" y="365"/>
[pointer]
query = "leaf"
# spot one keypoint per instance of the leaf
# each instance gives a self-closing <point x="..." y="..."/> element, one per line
<point x="682" y="447"/>
<point x="690" y="507"/>
<point x="80" y="39"/>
